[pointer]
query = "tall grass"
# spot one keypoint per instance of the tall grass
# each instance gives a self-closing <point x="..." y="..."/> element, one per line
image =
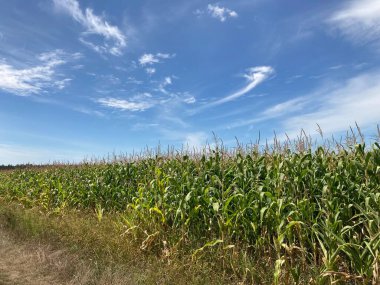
<point x="311" y="212"/>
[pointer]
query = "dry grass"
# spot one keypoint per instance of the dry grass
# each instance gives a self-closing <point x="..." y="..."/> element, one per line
<point x="38" y="248"/>
<point x="40" y="264"/>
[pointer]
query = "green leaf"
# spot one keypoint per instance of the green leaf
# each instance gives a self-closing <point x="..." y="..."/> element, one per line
<point x="188" y="196"/>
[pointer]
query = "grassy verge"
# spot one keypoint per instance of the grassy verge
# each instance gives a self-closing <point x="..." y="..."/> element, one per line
<point x="110" y="252"/>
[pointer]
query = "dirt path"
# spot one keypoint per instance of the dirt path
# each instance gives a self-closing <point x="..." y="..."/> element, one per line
<point x="37" y="264"/>
<point x="21" y="264"/>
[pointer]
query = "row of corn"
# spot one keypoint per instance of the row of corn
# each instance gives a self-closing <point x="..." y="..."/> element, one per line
<point x="318" y="207"/>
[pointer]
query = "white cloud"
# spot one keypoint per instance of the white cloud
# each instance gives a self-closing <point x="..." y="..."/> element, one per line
<point x="150" y="70"/>
<point x="199" y="12"/>
<point x="286" y="107"/>
<point x="165" y="55"/>
<point x="255" y="76"/>
<point x="173" y="98"/>
<point x="61" y="84"/>
<point x="336" y="67"/>
<point x="34" y="80"/>
<point x="140" y="102"/>
<point x="150" y="59"/>
<point x="190" y="100"/>
<point x="144" y="126"/>
<point x="87" y="111"/>
<point x="334" y="108"/>
<point x="58" y="56"/>
<point x="359" y="20"/>
<point x="114" y="39"/>
<point x="167" y="81"/>
<point x="278" y="110"/>
<point x="220" y="13"/>
<point x="133" y="80"/>
<point x="357" y="100"/>
<point x="77" y="67"/>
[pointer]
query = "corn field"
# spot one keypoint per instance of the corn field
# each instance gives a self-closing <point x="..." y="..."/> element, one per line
<point x="312" y="209"/>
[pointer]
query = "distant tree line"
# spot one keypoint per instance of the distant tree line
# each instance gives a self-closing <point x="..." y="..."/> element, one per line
<point x="18" y="166"/>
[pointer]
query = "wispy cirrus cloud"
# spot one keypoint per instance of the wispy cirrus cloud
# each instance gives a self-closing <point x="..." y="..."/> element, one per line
<point x="285" y="108"/>
<point x="61" y="84"/>
<point x="150" y="59"/>
<point x="189" y="99"/>
<point x="137" y="103"/>
<point x="36" y="79"/>
<point x="359" y="21"/>
<point x="114" y="40"/>
<point x="163" y="100"/>
<point x="255" y="75"/>
<point x="174" y="97"/>
<point x="355" y="100"/>
<point x="166" y="82"/>
<point x="334" y="107"/>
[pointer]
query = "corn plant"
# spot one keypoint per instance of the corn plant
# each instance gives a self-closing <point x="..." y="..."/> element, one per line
<point x="307" y="208"/>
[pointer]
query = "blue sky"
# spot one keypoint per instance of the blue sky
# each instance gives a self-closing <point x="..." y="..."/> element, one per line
<point x="81" y="79"/>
